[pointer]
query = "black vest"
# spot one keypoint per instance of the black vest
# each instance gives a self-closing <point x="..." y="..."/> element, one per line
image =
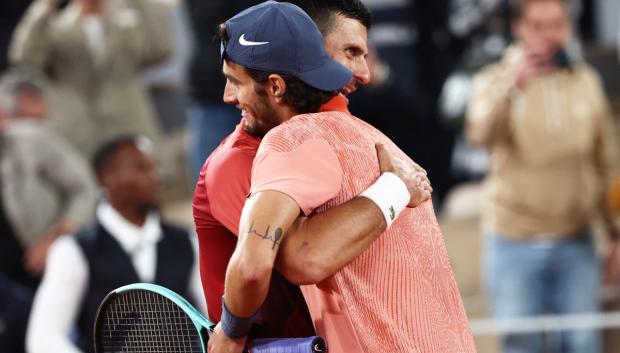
<point x="110" y="267"/>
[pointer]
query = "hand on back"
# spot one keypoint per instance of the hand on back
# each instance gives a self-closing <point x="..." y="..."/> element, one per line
<point x="410" y="173"/>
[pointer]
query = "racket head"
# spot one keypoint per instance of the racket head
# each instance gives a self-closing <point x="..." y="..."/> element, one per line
<point x="145" y="317"/>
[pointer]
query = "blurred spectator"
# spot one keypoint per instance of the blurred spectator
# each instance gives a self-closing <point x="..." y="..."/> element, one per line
<point x="545" y="119"/>
<point x="166" y="81"/>
<point x="46" y="188"/>
<point x="210" y="120"/>
<point x="416" y="52"/>
<point x="15" y="302"/>
<point x="127" y="243"/>
<point x="94" y="52"/>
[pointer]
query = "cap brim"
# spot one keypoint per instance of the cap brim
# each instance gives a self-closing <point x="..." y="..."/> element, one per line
<point x="330" y="76"/>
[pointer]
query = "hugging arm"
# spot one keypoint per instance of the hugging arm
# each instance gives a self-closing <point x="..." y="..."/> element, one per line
<point x="316" y="247"/>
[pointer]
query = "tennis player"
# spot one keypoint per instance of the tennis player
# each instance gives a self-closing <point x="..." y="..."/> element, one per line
<point x="224" y="184"/>
<point x="400" y="294"/>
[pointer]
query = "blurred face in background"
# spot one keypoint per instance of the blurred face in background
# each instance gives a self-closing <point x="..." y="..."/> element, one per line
<point x="544" y="27"/>
<point x="131" y="178"/>
<point x="31" y="104"/>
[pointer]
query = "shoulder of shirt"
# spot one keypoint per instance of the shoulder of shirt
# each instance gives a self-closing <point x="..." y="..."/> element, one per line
<point x="228" y="167"/>
<point x="301" y="125"/>
<point x="585" y="71"/>
<point x="299" y="129"/>
<point x="229" y="157"/>
<point x="65" y="246"/>
<point x="240" y="140"/>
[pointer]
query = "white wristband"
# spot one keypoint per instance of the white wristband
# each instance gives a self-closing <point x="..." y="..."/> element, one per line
<point x="390" y="193"/>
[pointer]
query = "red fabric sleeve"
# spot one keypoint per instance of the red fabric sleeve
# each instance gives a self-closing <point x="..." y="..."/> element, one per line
<point x="228" y="185"/>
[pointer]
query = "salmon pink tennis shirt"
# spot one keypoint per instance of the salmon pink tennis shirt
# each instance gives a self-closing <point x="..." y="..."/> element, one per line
<point x="400" y="294"/>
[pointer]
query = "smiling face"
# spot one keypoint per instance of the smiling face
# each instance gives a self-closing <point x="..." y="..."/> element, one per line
<point x="250" y="97"/>
<point x="347" y="43"/>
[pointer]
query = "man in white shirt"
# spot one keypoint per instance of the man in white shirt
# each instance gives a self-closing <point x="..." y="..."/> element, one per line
<point x="127" y="243"/>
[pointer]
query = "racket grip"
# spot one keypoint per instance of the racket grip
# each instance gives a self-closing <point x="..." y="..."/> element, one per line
<point x="313" y="344"/>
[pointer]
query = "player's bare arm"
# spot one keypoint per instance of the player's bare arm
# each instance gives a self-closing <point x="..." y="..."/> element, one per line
<point x="266" y="217"/>
<point x="311" y="252"/>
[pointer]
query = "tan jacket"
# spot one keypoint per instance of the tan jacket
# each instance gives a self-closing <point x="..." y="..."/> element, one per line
<point x="93" y="100"/>
<point x="42" y="180"/>
<point x="553" y="149"/>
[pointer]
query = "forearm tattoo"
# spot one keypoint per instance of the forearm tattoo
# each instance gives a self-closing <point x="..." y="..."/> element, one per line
<point x="274" y="239"/>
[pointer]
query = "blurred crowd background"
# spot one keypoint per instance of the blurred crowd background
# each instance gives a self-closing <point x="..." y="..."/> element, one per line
<point x="78" y="74"/>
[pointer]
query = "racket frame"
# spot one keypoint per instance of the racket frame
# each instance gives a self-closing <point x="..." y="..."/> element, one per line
<point x="204" y="327"/>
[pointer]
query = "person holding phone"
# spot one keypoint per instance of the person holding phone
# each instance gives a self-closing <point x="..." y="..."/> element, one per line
<point x="94" y="53"/>
<point x="546" y="122"/>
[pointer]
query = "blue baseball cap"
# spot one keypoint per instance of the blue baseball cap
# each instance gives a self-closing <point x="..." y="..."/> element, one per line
<point x="280" y="37"/>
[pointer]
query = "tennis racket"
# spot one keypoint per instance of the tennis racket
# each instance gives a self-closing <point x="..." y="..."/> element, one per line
<point x="144" y="317"/>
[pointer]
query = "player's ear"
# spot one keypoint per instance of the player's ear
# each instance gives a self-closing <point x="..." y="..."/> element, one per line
<point x="276" y="86"/>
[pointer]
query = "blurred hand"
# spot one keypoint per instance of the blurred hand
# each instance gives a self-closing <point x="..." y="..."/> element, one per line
<point x="412" y="174"/>
<point x="533" y="63"/>
<point x="220" y="343"/>
<point x="90" y="7"/>
<point x="61" y="227"/>
<point x="611" y="269"/>
<point x="36" y="255"/>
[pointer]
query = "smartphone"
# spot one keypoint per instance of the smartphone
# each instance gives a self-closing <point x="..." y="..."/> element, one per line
<point x="561" y="59"/>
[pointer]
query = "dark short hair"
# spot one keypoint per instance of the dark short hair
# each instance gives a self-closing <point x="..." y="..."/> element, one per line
<point x="302" y="97"/>
<point x="323" y="12"/>
<point x="107" y="151"/>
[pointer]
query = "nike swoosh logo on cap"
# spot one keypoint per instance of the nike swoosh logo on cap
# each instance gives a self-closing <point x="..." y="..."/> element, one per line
<point x="246" y="43"/>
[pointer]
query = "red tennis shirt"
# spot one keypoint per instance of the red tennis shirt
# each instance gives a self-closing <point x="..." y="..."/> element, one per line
<point x="220" y="194"/>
